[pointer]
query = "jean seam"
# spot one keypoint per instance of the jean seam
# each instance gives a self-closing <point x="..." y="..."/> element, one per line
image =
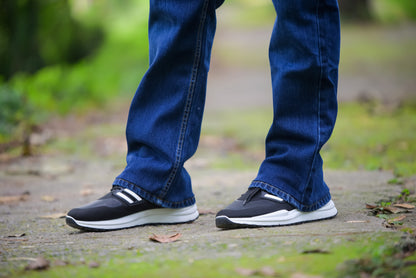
<point x="318" y="130"/>
<point x="150" y="197"/>
<point x="188" y="104"/>
<point x="289" y="198"/>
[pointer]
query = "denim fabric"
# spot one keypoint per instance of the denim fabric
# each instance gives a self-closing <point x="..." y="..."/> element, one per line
<point x="165" y="117"/>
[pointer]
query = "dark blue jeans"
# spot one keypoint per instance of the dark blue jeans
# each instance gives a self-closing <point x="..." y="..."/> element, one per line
<point x="165" y="117"/>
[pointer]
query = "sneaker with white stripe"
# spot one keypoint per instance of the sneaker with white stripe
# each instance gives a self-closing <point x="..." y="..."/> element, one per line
<point x="257" y="208"/>
<point x="122" y="208"/>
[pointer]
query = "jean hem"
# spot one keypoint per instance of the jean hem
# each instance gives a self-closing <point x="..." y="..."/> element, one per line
<point x="153" y="198"/>
<point x="289" y="198"/>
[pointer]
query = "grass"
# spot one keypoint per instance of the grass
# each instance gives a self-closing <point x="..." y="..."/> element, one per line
<point x="367" y="136"/>
<point x="340" y="259"/>
<point x="371" y="137"/>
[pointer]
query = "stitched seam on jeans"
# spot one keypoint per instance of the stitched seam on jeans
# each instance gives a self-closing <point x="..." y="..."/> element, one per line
<point x="289" y="198"/>
<point x="188" y="105"/>
<point x="150" y="197"/>
<point x="318" y="131"/>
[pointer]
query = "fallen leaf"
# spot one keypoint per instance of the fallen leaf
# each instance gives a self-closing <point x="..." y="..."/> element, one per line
<point x="393" y="210"/>
<point x="368" y="206"/>
<point x="40" y="263"/>
<point x="14" y="199"/>
<point x="405" y="206"/>
<point x="315" y="251"/>
<point x="53" y="215"/>
<point x="86" y="192"/>
<point x="165" y="238"/>
<point x="396" y="219"/>
<point x="48" y="198"/>
<point x="17" y="235"/>
<point x="15" y="239"/>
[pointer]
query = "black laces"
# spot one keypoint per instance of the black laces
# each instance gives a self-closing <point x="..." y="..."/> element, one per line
<point x="116" y="188"/>
<point x="251" y="193"/>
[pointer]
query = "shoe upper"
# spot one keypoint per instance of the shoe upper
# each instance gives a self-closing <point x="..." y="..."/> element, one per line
<point x="253" y="203"/>
<point x="118" y="203"/>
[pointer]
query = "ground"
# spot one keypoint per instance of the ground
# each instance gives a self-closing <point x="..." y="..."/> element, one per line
<point x="86" y="153"/>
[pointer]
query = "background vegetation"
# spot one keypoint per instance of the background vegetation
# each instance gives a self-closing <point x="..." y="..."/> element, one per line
<point x="72" y="56"/>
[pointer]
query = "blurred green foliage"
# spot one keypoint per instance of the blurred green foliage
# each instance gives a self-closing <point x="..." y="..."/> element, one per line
<point x="34" y="34"/>
<point x="68" y="56"/>
<point x="393" y="11"/>
<point x="52" y="73"/>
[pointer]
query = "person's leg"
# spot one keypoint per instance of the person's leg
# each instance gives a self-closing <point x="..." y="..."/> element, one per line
<point x="164" y="123"/>
<point x="304" y="56"/>
<point x="165" y="116"/>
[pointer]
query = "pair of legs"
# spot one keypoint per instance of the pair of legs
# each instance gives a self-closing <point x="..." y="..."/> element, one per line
<point x="165" y="117"/>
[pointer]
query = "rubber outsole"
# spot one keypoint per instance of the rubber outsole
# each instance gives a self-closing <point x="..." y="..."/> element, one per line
<point x="226" y="223"/>
<point x="72" y="222"/>
<point x="148" y="217"/>
<point x="278" y="218"/>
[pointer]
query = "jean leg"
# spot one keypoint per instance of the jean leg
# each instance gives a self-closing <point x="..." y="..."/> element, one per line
<point x="165" y="116"/>
<point x="304" y="57"/>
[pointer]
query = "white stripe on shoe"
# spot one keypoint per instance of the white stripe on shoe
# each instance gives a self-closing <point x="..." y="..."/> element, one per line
<point x="137" y="197"/>
<point x="273" y="197"/>
<point x="125" y="197"/>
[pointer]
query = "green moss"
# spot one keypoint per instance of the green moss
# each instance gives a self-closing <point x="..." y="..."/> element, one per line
<point x="378" y="248"/>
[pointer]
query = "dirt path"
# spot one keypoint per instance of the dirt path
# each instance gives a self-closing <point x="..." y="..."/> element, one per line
<point x="31" y="227"/>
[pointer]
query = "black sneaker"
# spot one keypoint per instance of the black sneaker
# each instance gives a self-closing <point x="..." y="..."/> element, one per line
<point x="257" y="208"/>
<point x="122" y="208"/>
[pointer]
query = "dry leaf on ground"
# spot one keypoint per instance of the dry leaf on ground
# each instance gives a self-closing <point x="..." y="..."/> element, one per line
<point x="396" y="219"/>
<point x="17" y="235"/>
<point x="14" y="198"/>
<point x="393" y="210"/>
<point x="53" y="215"/>
<point x="48" y="198"/>
<point x="40" y="263"/>
<point x="396" y="208"/>
<point x="165" y="238"/>
<point x="405" y="206"/>
<point x="315" y="251"/>
<point x="86" y="192"/>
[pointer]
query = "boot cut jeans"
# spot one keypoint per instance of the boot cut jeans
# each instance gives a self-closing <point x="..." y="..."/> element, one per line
<point x="164" y="122"/>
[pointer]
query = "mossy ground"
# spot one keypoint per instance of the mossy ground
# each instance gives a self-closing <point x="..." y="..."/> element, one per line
<point x="332" y="260"/>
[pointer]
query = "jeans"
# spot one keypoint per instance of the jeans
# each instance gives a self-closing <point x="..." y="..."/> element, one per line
<point x="164" y="122"/>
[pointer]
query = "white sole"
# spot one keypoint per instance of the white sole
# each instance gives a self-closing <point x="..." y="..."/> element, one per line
<point x="279" y="218"/>
<point x="151" y="216"/>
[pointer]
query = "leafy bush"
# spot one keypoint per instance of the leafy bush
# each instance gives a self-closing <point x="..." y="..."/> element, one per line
<point x="28" y="99"/>
<point x="39" y="33"/>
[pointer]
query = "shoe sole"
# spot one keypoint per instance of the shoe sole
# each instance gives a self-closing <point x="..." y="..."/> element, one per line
<point x="147" y="217"/>
<point x="279" y="218"/>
